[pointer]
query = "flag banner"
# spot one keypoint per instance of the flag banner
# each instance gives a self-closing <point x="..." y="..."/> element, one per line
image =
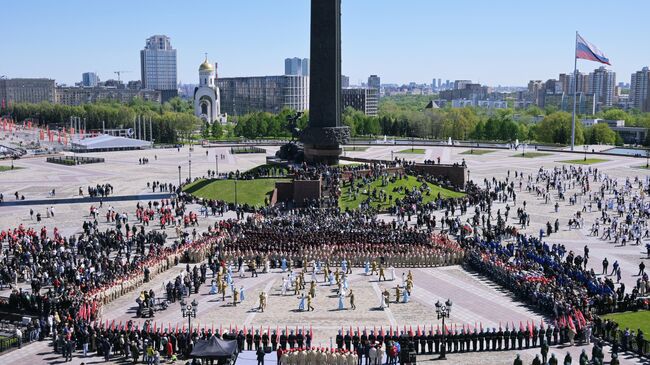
<point x="587" y="51"/>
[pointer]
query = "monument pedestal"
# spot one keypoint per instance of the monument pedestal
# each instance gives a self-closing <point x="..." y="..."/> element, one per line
<point x="323" y="144"/>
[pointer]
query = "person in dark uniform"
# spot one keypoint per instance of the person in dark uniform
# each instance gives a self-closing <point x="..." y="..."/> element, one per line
<point x="372" y="338"/>
<point x="506" y="337"/>
<point x="380" y="337"/>
<point x="556" y="335"/>
<point x="347" y="339"/>
<point x="339" y="340"/>
<point x="520" y="338"/>
<point x="481" y="340"/>
<point x="549" y="335"/>
<point x="430" y="342"/>
<point x="541" y="335"/>
<point x="455" y="339"/>
<point x="461" y="340"/>
<point x="240" y="341"/>
<point x="496" y="339"/>
<point x="291" y="339"/>
<point x="249" y="340"/>
<point x="488" y="340"/>
<point x="364" y="339"/>
<point x="355" y="339"/>
<point x="544" y="351"/>
<point x="416" y="343"/>
<point x="513" y="339"/>
<point x="534" y="336"/>
<point x="256" y="339"/>
<point x="283" y="340"/>
<point x="308" y="339"/>
<point x="436" y="341"/>
<point x="265" y="340"/>
<point x="527" y="337"/>
<point x="274" y="340"/>
<point x="300" y="339"/>
<point x="474" y="340"/>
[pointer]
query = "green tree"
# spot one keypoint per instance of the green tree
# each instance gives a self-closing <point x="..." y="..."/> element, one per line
<point x="601" y="133"/>
<point x="556" y="128"/>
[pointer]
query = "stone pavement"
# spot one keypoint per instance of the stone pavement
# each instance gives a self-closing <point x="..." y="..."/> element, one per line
<point x="475" y="299"/>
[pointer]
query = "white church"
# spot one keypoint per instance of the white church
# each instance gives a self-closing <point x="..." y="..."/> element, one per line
<point x="206" y="95"/>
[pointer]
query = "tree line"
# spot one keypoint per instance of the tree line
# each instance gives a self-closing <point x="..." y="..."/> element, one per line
<point x="170" y="121"/>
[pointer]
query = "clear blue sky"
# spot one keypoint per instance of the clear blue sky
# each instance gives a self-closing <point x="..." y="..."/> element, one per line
<point x="495" y="42"/>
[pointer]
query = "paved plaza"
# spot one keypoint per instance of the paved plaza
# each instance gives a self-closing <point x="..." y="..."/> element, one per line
<point x="477" y="301"/>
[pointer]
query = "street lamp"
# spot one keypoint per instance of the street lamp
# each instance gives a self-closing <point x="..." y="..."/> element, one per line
<point x="179" y="176"/>
<point x="585" y="148"/>
<point x="391" y="155"/>
<point x="235" y="191"/>
<point x="523" y="149"/>
<point x="189" y="311"/>
<point x="190" y="161"/>
<point x="647" y="157"/>
<point x="443" y="310"/>
<point x="216" y="162"/>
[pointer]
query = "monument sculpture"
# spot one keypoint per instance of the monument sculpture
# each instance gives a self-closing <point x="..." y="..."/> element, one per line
<point x="324" y="134"/>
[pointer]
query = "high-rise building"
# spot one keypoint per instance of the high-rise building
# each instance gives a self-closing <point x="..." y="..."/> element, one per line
<point x="241" y="95"/>
<point x="536" y="91"/>
<point x="602" y="83"/>
<point x="639" y="90"/>
<point x="374" y="82"/>
<point x="439" y="83"/>
<point x="566" y="80"/>
<point x="86" y="95"/>
<point x="345" y="81"/>
<point x="89" y="79"/>
<point x="296" y="66"/>
<point x="365" y="99"/>
<point x="26" y="90"/>
<point x="158" y="66"/>
<point x="433" y="84"/>
<point x="460" y="84"/>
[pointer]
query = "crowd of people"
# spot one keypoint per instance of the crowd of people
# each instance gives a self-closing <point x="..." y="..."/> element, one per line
<point x="72" y="278"/>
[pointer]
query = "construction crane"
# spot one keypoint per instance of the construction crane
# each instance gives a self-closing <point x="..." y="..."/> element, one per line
<point x="119" y="73"/>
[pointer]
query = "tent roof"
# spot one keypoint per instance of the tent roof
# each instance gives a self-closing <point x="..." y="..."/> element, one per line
<point x="107" y="141"/>
<point x="214" y="347"/>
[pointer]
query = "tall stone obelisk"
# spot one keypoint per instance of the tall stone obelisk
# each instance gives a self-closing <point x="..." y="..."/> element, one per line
<point x="324" y="135"/>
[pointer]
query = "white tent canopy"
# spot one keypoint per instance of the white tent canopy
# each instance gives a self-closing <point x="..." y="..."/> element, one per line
<point x="105" y="142"/>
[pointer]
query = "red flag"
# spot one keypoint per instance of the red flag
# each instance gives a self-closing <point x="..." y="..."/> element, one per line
<point x="311" y="332"/>
<point x="541" y="323"/>
<point x="530" y="328"/>
<point x="410" y="330"/>
<point x="390" y="331"/>
<point x="571" y="325"/>
<point x="481" y="323"/>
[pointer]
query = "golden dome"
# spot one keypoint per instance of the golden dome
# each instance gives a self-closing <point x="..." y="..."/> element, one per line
<point x="206" y="66"/>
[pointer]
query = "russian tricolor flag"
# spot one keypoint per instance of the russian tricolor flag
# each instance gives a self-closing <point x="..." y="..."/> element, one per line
<point x="587" y="51"/>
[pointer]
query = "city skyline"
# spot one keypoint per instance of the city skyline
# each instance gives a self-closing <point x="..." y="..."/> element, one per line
<point x="495" y="44"/>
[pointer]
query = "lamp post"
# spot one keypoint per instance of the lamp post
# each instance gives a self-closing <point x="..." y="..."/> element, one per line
<point x="523" y="150"/>
<point x="189" y="311"/>
<point x="391" y="155"/>
<point x="179" y="176"/>
<point x="235" y="191"/>
<point x="216" y="162"/>
<point x="647" y="157"/>
<point x="443" y="310"/>
<point x="190" y="162"/>
<point x="585" y="148"/>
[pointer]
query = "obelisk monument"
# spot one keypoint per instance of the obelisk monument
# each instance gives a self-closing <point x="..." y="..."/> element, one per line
<point x="324" y="135"/>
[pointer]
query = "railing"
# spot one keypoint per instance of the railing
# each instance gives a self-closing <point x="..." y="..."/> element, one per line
<point x="74" y="160"/>
<point x="7" y="343"/>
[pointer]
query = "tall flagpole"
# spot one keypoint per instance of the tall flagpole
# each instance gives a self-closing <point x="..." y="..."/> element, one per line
<point x="575" y="93"/>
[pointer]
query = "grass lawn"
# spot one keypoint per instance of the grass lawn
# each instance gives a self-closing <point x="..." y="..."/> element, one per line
<point x="642" y="167"/>
<point x="582" y="161"/>
<point x="413" y="151"/>
<point x="8" y="168"/>
<point x="276" y="169"/>
<point x="632" y="320"/>
<point x="355" y="148"/>
<point x="532" y="154"/>
<point x="477" y="152"/>
<point x="252" y="192"/>
<point x="411" y="182"/>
